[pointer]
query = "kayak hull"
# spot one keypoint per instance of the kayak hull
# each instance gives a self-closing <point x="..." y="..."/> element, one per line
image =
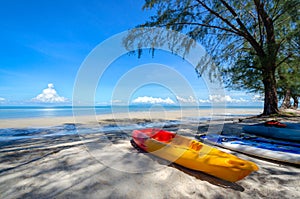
<point x="281" y="151"/>
<point x="193" y="154"/>
<point x="290" y="132"/>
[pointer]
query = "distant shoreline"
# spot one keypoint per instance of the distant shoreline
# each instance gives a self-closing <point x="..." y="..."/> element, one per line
<point x="150" y="115"/>
<point x="100" y="106"/>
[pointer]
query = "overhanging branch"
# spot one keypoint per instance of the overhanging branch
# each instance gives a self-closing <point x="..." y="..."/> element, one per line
<point x="220" y="17"/>
<point x="247" y="35"/>
<point x="201" y="24"/>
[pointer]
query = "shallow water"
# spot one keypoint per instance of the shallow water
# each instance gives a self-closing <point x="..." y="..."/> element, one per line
<point x="9" y="135"/>
<point x="13" y="112"/>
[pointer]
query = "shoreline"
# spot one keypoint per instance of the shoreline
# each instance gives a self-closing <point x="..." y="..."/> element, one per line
<point x="147" y="115"/>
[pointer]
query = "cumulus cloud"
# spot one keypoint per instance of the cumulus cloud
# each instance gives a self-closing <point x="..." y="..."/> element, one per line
<point x="116" y="102"/>
<point x="204" y="101"/>
<point x="221" y="98"/>
<point x="226" y="98"/>
<point x="49" y="95"/>
<point x="152" y="100"/>
<point x="257" y="98"/>
<point x="189" y="99"/>
<point x="2" y="100"/>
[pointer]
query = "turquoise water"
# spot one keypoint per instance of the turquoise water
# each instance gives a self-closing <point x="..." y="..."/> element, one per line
<point x="14" y="112"/>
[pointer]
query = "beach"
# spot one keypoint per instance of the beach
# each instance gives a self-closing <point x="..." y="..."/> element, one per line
<point x="99" y="161"/>
<point x="150" y="99"/>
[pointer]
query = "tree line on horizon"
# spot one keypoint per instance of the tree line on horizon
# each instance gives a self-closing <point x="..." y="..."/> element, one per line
<point x="254" y="43"/>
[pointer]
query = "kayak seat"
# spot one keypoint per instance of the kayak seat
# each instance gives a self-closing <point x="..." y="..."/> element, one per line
<point x="163" y="136"/>
<point x="196" y="146"/>
<point x="275" y="124"/>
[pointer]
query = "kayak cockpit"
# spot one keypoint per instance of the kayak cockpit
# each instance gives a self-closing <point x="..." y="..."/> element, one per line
<point x="163" y="136"/>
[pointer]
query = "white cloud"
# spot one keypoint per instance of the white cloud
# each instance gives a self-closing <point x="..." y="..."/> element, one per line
<point x="152" y="100"/>
<point x="2" y="100"/>
<point x="116" y="102"/>
<point x="221" y="98"/>
<point x="258" y="98"/>
<point x="204" y="101"/>
<point x="190" y="99"/>
<point x="226" y="98"/>
<point x="49" y="95"/>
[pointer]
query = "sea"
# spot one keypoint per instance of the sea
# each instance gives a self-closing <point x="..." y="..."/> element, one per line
<point x="17" y="112"/>
<point x="11" y="135"/>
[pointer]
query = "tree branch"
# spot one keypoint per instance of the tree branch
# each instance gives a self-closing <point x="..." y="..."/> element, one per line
<point x="200" y="24"/>
<point x="220" y="17"/>
<point x="283" y="60"/>
<point x="267" y="21"/>
<point x="261" y="38"/>
<point x="275" y="10"/>
<point x="247" y="35"/>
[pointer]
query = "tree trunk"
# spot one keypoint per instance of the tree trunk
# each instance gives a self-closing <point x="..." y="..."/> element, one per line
<point x="271" y="101"/>
<point x="287" y="100"/>
<point x="296" y="102"/>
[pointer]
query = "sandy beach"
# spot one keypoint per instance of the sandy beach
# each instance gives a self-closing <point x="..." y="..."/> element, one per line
<point x="104" y="164"/>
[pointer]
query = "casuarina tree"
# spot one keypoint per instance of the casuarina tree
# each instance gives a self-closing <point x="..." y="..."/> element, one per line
<point x="250" y="37"/>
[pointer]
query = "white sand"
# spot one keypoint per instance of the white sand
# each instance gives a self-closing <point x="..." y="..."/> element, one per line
<point x="92" y="167"/>
<point x="74" y="173"/>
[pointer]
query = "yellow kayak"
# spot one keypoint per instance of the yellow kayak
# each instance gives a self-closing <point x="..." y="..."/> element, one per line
<point x="193" y="154"/>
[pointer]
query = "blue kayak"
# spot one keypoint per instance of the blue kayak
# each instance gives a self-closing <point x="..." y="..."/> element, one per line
<point x="291" y="132"/>
<point x="283" y="151"/>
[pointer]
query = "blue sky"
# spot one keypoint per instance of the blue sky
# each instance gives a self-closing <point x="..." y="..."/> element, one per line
<point x="43" y="44"/>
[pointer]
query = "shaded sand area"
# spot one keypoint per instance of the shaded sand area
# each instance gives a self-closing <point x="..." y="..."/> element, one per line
<point x="104" y="164"/>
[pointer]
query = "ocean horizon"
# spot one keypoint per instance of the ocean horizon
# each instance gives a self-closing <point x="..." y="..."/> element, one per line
<point x="18" y="112"/>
